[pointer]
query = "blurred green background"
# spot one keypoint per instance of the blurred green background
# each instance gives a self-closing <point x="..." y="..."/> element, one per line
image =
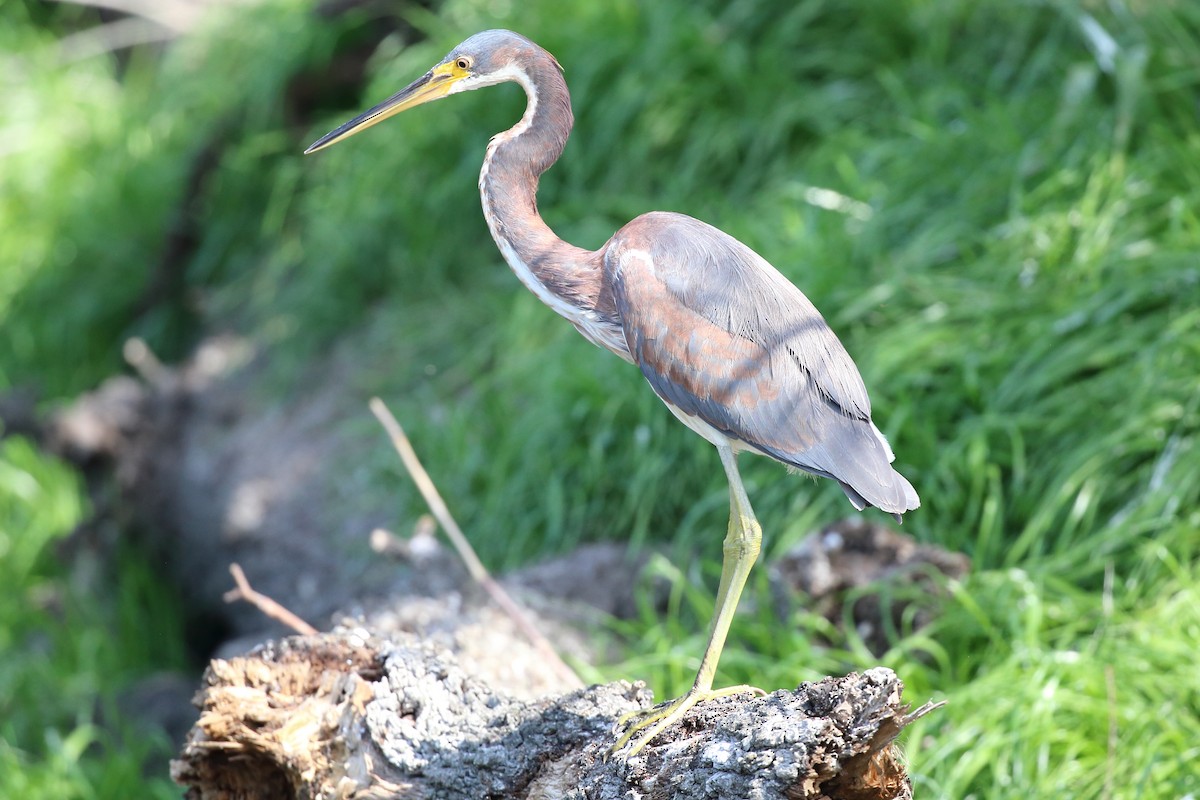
<point x="996" y="204"/>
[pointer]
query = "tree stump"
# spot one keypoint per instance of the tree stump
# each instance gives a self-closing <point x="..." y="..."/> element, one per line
<point x="351" y="715"/>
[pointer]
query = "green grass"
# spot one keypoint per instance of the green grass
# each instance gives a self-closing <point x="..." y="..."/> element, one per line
<point x="66" y="656"/>
<point x="994" y="203"/>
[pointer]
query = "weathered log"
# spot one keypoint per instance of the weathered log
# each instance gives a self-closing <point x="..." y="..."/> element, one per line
<point x="349" y="715"/>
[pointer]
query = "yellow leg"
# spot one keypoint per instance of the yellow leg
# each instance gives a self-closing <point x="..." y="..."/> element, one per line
<point x="741" y="547"/>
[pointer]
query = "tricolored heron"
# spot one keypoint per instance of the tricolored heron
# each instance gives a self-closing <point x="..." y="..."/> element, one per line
<point x="736" y="351"/>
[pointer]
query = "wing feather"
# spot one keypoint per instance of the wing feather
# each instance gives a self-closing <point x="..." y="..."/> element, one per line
<point x="723" y="336"/>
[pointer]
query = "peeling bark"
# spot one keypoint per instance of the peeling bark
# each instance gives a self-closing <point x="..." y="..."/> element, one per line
<point x="350" y="715"/>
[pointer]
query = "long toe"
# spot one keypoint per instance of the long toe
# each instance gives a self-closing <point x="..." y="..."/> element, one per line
<point x="646" y="725"/>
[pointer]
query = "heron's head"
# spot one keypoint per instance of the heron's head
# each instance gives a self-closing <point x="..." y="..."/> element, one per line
<point x="485" y="59"/>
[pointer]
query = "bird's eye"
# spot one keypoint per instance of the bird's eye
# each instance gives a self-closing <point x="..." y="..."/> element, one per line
<point x="463" y="63"/>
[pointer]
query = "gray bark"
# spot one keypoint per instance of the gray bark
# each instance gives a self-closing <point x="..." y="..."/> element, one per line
<point x="353" y="716"/>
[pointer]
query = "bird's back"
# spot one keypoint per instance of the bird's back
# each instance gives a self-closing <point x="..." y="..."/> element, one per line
<point x="722" y="336"/>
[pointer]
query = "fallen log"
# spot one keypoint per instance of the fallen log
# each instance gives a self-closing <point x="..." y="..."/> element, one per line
<point x="351" y="715"/>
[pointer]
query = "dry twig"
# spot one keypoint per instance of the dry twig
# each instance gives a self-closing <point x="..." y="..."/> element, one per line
<point x="467" y="553"/>
<point x="265" y="604"/>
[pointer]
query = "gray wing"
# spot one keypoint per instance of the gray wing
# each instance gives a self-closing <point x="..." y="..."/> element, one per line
<point x="723" y="336"/>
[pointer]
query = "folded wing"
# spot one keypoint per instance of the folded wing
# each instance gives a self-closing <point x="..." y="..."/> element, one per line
<point x="721" y="335"/>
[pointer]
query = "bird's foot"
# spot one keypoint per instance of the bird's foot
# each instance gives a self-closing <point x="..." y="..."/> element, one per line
<point x="660" y="717"/>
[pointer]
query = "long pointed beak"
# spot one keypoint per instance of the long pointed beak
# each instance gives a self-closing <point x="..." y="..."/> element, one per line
<point x="432" y="85"/>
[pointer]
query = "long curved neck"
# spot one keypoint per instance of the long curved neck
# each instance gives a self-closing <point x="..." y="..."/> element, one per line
<point x="565" y="277"/>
